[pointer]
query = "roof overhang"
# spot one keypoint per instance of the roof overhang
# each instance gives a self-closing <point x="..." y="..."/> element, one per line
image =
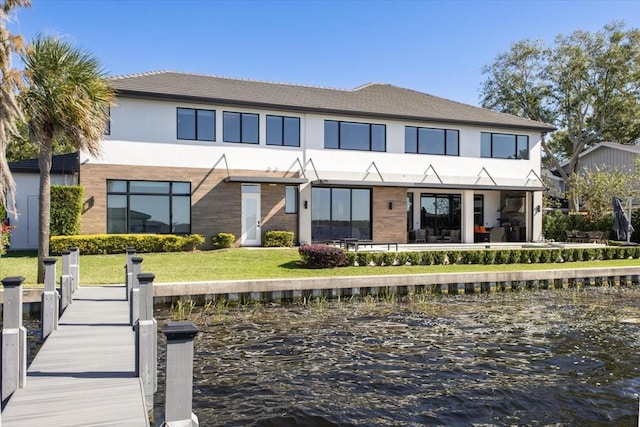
<point x="266" y="180"/>
<point x="436" y="185"/>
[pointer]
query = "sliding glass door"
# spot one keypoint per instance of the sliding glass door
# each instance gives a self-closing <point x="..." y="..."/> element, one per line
<point x="440" y="212"/>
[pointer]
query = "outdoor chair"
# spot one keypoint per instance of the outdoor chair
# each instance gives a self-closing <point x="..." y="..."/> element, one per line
<point x="497" y="234"/>
<point x="421" y="236"/>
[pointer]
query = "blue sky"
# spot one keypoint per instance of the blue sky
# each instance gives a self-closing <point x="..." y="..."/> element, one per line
<point x="437" y="47"/>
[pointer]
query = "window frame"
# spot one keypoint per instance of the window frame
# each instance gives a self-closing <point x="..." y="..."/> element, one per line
<point x="283" y="139"/>
<point x="195" y="124"/>
<point x="445" y="141"/>
<point x="241" y="116"/>
<point x="340" y="124"/>
<point x="517" y="138"/>
<point x="128" y="194"/>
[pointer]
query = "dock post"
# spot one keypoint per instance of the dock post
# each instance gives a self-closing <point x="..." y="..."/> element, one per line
<point x="179" y="375"/>
<point x="14" y="339"/>
<point x="49" y="299"/>
<point x="146" y="339"/>
<point x="65" y="281"/>
<point x="128" y="271"/>
<point x="134" y="298"/>
<point x="74" y="267"/>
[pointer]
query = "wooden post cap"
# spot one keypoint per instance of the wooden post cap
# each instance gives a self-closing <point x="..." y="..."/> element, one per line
<point x="49" y="261"/>
<point x="136" y="259"/>
<point x="12" y="281"/>
<point x="146" y="277"/>
<point x="180" y="331"/>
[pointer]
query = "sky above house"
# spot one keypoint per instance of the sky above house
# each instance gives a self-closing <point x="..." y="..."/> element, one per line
<point x="436" y="47"/>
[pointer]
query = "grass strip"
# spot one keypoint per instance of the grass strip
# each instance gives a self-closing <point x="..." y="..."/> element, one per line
<point x="244" y="263"/>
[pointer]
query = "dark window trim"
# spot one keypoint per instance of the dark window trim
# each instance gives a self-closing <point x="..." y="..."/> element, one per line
<point x="445" y="130"/>
<point x="128" y="194"/>
<point x="282" y="141"/>
<point x="195" y="130"/>
<point x="241" y="141"/>
<point x="339" y="122"/>
<point x="331" y="188"/>
<point x="516" y="155"/>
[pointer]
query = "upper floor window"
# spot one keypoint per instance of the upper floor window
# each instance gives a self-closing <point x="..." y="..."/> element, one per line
<point x="504" y="146"/>
<point x="240" y="127"/>
<point x="196" y="124"/>
<point x="431" y="141"/>
<point x="283" y="131"/>
<point x="355" y="136"/>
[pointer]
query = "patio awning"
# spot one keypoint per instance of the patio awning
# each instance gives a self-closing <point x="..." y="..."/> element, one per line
<point x="437" y="185"/>
<point x="266" y="179"/>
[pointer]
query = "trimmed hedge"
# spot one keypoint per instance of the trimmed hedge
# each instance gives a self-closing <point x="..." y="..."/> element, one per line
<point x="66" y="209"/>
<point x="277" y="239"/>
<point x="223" y="240"/>
<point x="323" y="256"/>
<point x="118" y="243"/>
<point x="495" y="256"/>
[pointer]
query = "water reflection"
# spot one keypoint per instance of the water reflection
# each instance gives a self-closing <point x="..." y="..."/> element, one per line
<point x="536" y="358"/>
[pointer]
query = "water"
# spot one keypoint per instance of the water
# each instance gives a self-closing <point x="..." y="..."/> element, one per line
<point x="559" y="358"/>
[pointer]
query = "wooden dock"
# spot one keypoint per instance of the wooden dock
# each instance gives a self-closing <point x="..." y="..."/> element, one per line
<point x="84" y="374"/>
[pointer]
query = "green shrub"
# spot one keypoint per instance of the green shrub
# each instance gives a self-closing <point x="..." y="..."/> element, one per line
<point x="427" y="258"/>
<point x="514" y="256"/>
<point x="414" y="258"/>
<point x="95" y="244"/>
<point x="438" y="257"/>
<point x="545" y="256"/>
<point x="502" y="256"/>
<point x="277" y="239"/>
<point x="453" y="256"/>
<point x="489" y="257"/>
<point x="223" y="240"/>
<point x="364" y="259"/>
<point x="351" y="258"/>
<point x="322" y="256"/>
<point x="402" y="258"/>
<point x="386" y="258"/>
<point x="66" y="209"/>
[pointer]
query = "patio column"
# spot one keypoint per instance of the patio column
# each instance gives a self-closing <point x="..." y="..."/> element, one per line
<point x="466" y="235"/>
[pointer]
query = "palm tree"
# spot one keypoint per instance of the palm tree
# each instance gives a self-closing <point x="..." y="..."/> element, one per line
<point x="10" y="112"/>
<point x="66" y="96"/>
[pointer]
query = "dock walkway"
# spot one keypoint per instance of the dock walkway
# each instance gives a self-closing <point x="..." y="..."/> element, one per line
<point x="84" y="374"/>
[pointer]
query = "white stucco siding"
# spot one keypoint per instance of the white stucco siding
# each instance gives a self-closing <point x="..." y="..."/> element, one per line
<point x="238" y="156"/>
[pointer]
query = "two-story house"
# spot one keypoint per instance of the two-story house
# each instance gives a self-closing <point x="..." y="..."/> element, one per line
<point x="200" y="154"/>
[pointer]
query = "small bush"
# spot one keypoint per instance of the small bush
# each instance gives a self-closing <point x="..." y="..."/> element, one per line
<point x="223" y="240"/>
<point x="502" y="256"/>
<point x="118" y="243"/>
<point x="427" y="258"/>
<point x="364" y="258"/>
<point x="388" y="258"/>
<point x="438" y="257"/>
<point x="322" y="256"/>
<point x="514" y="256"/>
<point x="453" y="256"/>
<point x="277" y="239"/>
<point x="351" y="258"/>
<point x="413" y="258"/>
<point x="488" y="257"/>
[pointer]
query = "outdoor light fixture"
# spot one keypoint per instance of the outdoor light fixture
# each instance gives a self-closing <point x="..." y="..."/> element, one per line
<point x="306" y="204"/>
<point x="390" y="205"/>
<point x="538" y="209"/>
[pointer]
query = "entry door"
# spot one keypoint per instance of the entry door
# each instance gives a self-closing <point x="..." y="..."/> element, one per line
<point x="251" y="231"/>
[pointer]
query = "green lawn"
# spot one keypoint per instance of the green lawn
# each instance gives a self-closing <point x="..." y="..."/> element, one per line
<point x="244" y="264"/>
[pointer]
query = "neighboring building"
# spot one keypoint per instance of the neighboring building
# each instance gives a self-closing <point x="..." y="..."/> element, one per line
<point x="604" y="156"/>
<point x="26" y="173"/>
<point x="200" y="154"/>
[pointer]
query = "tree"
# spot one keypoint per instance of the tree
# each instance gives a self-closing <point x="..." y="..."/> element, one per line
<point x="587" y="85"/>
<point x="594" y="188"/>
<point x="66" y="95"/>
<point x="21" y="148"/>
<point x="10" y="112"/>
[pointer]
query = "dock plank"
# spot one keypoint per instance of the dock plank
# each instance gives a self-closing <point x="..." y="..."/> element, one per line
<point x="84" y="374"/>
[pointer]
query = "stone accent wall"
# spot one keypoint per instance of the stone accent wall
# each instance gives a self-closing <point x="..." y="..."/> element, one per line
<point x="215" y="204"/>
<point x="389" y="225"/>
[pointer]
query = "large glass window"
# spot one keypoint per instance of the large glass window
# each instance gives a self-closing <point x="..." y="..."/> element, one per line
<point x="339" y="213"/>
<point x="431" y="141"/>
<point x="240" y="127"/>
<point x="196" y="124"/>
<point x="283" y="131"/>
<point x="148" y="207"/>
<point x="355" y="136"/>
<point x="440" y="212"/>
<point x="504" y="146"/>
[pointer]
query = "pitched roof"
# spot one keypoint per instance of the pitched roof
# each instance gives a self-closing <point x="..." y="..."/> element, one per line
<point x="634" y="149"/>
<point x="373" y="99"/>
<point x="62" y="164"/>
